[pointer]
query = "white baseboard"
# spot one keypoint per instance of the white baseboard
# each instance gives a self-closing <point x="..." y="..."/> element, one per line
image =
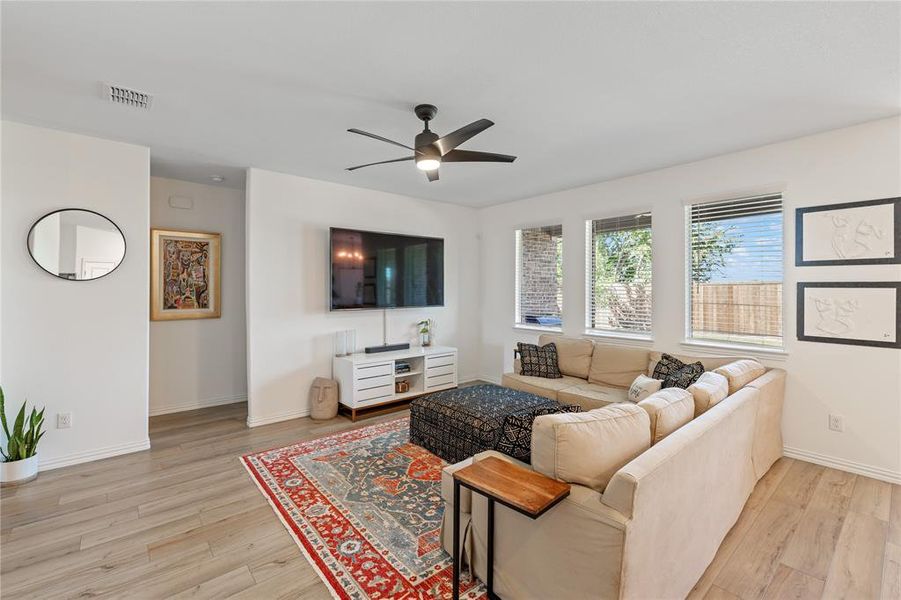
<point x="297" y="414"/>
<point x="844" y="465"/>
<point x="90" y="455"/>
<point x="490" y="379"/>
<point x="206" y="403"/>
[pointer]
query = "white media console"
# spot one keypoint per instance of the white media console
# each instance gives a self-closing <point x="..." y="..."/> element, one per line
<point x="367" y="380"/>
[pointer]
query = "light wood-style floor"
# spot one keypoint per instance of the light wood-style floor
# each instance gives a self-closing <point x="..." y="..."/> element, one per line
<point x="184" y="520"/>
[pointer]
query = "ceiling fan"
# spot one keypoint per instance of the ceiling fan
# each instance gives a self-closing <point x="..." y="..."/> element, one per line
<point x="429" y="150"/>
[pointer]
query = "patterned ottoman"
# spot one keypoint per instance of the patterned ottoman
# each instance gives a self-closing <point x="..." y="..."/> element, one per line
<point x="456" y="424"/>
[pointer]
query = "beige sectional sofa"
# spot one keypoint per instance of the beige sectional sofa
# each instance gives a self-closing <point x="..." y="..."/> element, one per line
<point x="646" y="529"/>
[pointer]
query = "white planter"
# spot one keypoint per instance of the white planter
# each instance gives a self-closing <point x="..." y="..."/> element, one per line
<point x="18" y="471"/>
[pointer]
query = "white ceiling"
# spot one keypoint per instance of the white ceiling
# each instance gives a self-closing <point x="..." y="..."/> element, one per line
<point x="581" y="92"/>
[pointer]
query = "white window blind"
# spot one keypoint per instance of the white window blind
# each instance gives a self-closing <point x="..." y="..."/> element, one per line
<point x="539" y="276"/>
<point x="619" y="274"/>
<point x="735" y="271"/>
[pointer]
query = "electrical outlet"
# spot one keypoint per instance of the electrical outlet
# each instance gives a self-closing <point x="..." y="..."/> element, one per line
<point x="836" y="423"/>
<point x="63" y="420"/>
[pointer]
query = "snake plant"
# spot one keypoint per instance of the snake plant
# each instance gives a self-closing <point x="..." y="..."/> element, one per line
<point x="22" y="443"/>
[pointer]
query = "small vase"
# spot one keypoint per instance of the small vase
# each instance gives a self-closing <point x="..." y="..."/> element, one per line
<point x="18" y="471"/>
<point x="425" y="339"/>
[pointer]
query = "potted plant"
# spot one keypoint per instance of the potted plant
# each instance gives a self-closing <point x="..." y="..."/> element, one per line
<point x="425" y="332"/>
<point x="20" y="459"/>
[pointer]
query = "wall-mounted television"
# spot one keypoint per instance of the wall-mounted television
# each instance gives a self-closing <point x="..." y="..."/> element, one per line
<point x="384" y="270"/>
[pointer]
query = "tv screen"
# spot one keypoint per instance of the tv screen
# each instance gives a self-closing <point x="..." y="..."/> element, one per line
<point x="385" y="270"/>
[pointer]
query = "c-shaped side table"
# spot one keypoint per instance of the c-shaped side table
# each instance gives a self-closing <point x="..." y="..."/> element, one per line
<point x="527" y="492"/>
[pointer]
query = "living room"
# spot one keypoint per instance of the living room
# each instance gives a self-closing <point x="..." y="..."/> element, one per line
<point x="652" y="320"/>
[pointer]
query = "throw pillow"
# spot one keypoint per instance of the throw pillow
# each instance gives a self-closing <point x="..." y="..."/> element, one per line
<point x="676" y="373"/>
<point x="539" y="362"/>
<point x="642" y="387"/>
<point x="516" y="433"/>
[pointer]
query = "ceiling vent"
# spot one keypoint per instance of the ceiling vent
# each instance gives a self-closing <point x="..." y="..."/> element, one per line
<point x="128" y="97"/>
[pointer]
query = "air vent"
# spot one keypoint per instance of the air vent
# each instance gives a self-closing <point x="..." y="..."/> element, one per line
<point x="128" y="97"/>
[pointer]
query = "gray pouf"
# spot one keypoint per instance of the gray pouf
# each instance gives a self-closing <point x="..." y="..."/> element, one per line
<point x="323" y="399"/>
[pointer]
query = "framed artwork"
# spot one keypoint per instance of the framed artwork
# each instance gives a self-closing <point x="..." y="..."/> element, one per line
<point x="184" y="275"/>
<point x="853" y="233"/>
<point x="860" y="314"/>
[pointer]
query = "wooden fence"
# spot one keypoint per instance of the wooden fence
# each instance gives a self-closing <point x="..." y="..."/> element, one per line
<point x="742" y="308"/>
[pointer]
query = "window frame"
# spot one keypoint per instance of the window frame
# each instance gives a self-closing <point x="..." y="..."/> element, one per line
<point x="772" y="352"/>
<point x="517" y="258"/>
<point x="588" y="273"/>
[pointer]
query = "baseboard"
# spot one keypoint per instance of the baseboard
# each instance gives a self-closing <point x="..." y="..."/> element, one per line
<point x="91" y="455"/>
<point x="174" y="408"/>
<point x="490" y="379"/>
<point x="844" y="465"/>
<point x="257" y="421"/>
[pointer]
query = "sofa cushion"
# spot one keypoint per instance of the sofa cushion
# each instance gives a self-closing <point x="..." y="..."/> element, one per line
<point x="516" y="433"/>
<point x="591" y="395"/>
<point x="676" y="373"/>
<point x="588" y="448"/>
<point x="642" y="387"/>
<point x="668" y="410"/>
<point x="573" y="354"/>
<point x="616" y="365"/>
<point x="539" y="385"/>
<point x="708" y="390"/>
<point x="538" y="361"/>
<point x="740" y="373"/>
<point x="710" y="362"/>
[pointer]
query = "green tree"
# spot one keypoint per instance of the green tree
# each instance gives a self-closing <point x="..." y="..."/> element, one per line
<point x="622" y="273"/>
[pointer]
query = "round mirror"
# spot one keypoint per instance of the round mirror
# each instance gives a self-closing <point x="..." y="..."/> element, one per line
<point x="76" y="244"/>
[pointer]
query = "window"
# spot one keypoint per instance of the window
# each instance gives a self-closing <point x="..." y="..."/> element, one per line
<point x="619" y="274"/>
<point x="539" y="276"/>
<point x="735" y="271"/>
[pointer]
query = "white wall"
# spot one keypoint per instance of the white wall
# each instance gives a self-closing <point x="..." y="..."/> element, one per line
<point x="196" y="363"/>
<point x="290" y="330"/>
<point x="861" y="384"/>
<point x="78" y="347"/>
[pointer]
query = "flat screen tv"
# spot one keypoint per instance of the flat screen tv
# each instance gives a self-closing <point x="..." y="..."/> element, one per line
<point x="384" y="270"/>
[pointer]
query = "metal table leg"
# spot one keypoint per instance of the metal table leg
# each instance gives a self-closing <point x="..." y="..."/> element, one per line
<point x="490" y="574"/>
<point x="456" y="556"/>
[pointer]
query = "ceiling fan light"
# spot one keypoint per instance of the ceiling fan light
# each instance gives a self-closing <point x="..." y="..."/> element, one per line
<point x="428" y="164"/>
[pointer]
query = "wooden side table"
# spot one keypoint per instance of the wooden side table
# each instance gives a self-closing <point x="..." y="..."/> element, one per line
<point x="523" y="490"/>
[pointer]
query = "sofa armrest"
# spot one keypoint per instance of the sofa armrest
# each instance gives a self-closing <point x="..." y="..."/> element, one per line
<point x="447" y="487"/>
<point x="768" y="427"/>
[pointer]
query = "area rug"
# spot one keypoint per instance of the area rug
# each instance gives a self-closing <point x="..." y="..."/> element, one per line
<point x="365" y="508"/>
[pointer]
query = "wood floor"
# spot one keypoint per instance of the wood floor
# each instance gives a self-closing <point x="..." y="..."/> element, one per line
<point x="184" y="520"/>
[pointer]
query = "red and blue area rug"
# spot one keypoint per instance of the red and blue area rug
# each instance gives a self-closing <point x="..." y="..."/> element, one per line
<point x="365" y="508"/>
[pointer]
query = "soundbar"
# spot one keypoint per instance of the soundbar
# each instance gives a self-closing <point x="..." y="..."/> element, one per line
<point x="386" y="348"/>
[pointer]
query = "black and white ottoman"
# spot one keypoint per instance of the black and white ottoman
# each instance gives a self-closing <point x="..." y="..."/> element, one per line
<point x="459" y="423"/>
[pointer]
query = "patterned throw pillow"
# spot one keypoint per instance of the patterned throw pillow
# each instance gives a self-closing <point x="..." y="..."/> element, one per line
<point x="516" y="433"/>
<point x="676" y="373"/>
<point x="539" y="362"/>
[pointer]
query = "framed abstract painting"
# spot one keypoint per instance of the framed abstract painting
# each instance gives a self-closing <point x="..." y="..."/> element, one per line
<point x="853" y="233"/>
<point x="184" y="275"/>
<point x="856" y="313"/>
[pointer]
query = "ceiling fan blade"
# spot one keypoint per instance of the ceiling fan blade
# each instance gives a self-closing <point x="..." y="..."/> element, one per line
<point x="432" y="175"/>
<point x="455" y="138"/>
<point x="473" y="156"/>
<point x="381" y="162"/>
<point x="380" y="138"/>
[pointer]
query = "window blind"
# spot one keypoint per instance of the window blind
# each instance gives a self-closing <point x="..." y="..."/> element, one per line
<point x="619" y="275"/>
<point x="735" y="270"/>
<point x="539" y="276"/>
